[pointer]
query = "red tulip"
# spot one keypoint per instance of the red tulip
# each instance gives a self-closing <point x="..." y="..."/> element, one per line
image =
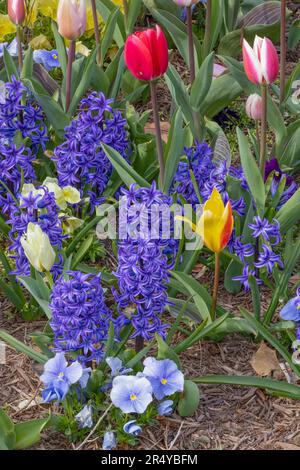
<point x="146" y="54"/>
<point x="261" y="63"/>
<point x="16" y="11"/>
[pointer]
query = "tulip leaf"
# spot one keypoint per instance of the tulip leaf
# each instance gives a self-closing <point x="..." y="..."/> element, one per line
<point x="252" y="172"/>
<point x="10" y="66"/>
<point x="223" y="91"/>
<point x="126" y="172"/>
<point x="61" y="48"/>
<point x="107" y="37"/>
<point x="7" y="432"/>
<point x="174" y="149"/>
<point x="33" y="288"/>
<point x="82" y="251"/>
<point x="84" y="83"/>
<point x="134" y="11"/>
<point x="27" y="68"/>
<point x="105" y="7"/>
<point x="289" y="214"/>
<point x="202" y="83"/>
<point x="189" y="402"/>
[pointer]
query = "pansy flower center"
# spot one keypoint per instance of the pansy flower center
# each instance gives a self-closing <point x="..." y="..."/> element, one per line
<point x="61" y="375"/>
<point x="164" y="381"/>
<point x="133" y="397"/>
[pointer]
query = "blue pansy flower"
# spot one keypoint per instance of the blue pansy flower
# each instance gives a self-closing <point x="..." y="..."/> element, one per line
<point x="164" y="376"/>
<point x="58" y="377"/>
<point x="84" y="418"/>
<point x="117" y="367"/>
<point x="132" y="428"/>
<point x="109" y="441"/>
<point x="291" y="311"/>
<point x="165" y="408"/>
<point x="49" y="59"/>
<point x="86" y="373"/>
<point x="131" y="394"/>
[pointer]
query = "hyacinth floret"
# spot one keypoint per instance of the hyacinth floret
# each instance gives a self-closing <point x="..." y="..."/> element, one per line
<point x="80" y="159"/>
<point x="80" y="317"/>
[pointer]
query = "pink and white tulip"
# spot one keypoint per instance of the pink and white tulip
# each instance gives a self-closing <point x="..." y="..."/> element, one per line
<point x="71" y="18"/>
<point x="16" y="11"/>
<point x="254" y="107"/>
<point x="261" y="62"/>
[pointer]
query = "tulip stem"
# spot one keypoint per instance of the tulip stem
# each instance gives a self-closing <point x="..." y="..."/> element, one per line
<point x="71" y="56"/>
<point x="96" y="28"/>
<point x="159" y="144"/>
<point x="216" y="287"/>
<point x="263" y="137"/>
<point x="139" y="344"/>
<point x="191" y="43"/>
<point x="126" y="11"/>
<point x="207" y="36"/>
<point x="282" y="51"/>
<point x="19" y="44"/>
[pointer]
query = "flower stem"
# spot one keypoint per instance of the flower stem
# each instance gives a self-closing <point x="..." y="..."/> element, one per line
<point x="216" y="286"/>
<point x="282" y="51"/>
<point x="96" y="28"/>
<point x="207" y="36"/>
<point x="159" y="145"/>
<point x="139" y="344"/>
<point x="126" y="11"/>
<point x="191" y="44"/>
<point x="263" y="137"/>
<point x="71" y="56"/>
<point x="19" y="44"/>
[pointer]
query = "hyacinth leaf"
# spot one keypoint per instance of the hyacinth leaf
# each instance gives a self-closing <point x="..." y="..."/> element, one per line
<point x="61" y="48"/>
<point x="166" y="352"/>
<point x="128" y="175"/>
<point x="27" y="69"/>
<point x="81" y="234"/>
<point x="7" y="432"/>
<point x="33" y="287"/>
<point x="174" y="149"/>
<point x="23" y="348"/>
<point x="105" y="8"/>
<point x="107" y="37"/>
<point x="289" y="214"/>
<point x="110" y="341"/>
<point x="10" y="66"/>
<point x="186" y="281"/>
<point x="138" y="357"/>
<point x="12" y="295"/>
<point x="252" y="173"/>
<point x="82" y="251"/>
<point x="271" y="386"/>
<point x="4" y="228"/>
<point x="189" y="402"/>
<point x="272" y="340"/>
<point x="19" y="297"/>
<point x="202" y="83"/>
<point x="29" y="433"/>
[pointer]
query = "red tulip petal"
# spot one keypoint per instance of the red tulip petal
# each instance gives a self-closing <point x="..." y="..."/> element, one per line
<point x="138" y="57"/>
<point x="251" y="64"/>
<point x="228" y="228"/>
<point x="151" y="38"/>
<point x="269" y="61"/>
<point x="162" y="50"/>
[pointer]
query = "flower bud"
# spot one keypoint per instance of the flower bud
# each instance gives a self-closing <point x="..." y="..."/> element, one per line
<point x="37" y="248"/>
<point x="16" y="11"/>
<point x="71" y="18"/>
<point x="254" y="107"/>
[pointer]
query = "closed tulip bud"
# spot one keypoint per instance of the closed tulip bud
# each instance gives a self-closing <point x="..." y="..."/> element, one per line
<point x="261" y="62"/>
<point x="254" y="107"/>
<point x="37" y="248"/>
<point x="146" y="54"/>
<point x="16" y="11"/>
<point x="71" y="18"/>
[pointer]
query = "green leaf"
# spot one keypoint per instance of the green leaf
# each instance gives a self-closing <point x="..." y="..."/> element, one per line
<point x="282" y="388"/>
<point x="33" y="288"/>
<point x="84" y="82"/>
<point x="134" y="11"/>
<point x="29" y="433"/>
<point x="27" y="68"/>
<point x="223" y="91"/>
<point x="165" y="351"/>
<point x="174" y="149"/>
<point x="189" y="285"/>
<point x="188" y="404"/>
<point x="10" y="65"/>
<point x="252" y="173"/>
<point x="202" y="83"/>
<point x="82" y="251"/>
<point x="107" y="36"/>
<point x="7" y="432"/>
<point x="234" y="269"/>
<point x="23" y="348"/>
<point x="289" y="214"/>
<point x="61" y="48"/>
<point x="105" y="7"/>
<point x="124" y="170"/>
